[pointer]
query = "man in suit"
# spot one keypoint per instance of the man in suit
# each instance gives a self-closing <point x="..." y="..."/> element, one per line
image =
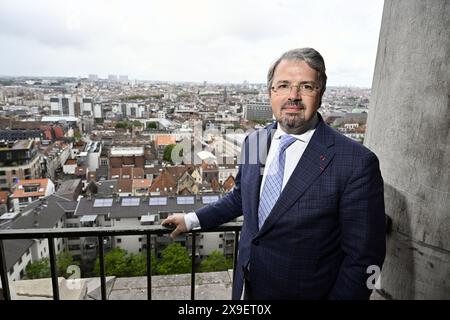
<point x="313" y="205"/>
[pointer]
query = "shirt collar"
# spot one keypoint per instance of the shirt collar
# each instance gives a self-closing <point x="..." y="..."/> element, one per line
<point x="304" y="137"/>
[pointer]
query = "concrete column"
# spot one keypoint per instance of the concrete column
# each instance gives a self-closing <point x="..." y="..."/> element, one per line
<point x="409" y="130"/>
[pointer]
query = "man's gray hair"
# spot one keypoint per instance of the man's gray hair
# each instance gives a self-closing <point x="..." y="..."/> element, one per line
<point x="313" y="58"/>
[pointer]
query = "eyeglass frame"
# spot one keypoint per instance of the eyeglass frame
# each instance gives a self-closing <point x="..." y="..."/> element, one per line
<point x="313" y="93"/>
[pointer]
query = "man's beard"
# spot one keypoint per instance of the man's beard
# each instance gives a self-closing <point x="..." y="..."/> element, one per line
<point x="294" y="123"/>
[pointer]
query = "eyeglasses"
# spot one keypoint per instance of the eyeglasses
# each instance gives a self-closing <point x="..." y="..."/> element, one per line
<point x="306" y="88"/>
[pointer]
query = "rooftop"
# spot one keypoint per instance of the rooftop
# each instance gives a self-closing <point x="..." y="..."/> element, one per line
<point x="37" y="188"/>
<point x="139" y="206"/>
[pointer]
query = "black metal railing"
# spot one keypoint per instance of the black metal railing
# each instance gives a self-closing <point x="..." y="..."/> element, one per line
<point x="101" y="233"/>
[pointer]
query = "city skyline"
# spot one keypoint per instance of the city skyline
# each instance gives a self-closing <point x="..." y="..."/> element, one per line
<point x="174" y="41"/>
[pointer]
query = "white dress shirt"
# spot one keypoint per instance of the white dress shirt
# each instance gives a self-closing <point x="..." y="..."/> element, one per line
<point x="293" y="154"/>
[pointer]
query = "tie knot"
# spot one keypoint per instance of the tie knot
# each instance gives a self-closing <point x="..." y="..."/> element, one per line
<point x="285" y="141"/>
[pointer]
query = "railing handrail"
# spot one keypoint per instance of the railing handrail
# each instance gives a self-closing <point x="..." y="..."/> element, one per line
<point x="100" y="232"/>
<point x="6" y="234"/>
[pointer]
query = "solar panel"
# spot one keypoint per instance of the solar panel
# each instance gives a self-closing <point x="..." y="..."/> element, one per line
<point x="159" y="201"/>
<point x="185" y="200"/>
<point x="209" y="199"/>
<point x="130" y="202"/>
<point x="103" y="203"/>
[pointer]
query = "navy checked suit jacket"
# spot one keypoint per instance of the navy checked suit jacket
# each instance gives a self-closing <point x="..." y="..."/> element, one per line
<point x="325" y="230"/>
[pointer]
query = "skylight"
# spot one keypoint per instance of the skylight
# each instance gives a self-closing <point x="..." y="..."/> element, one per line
<point x="209" y="199"/>
<point x="130" y="202"/>
<point x="103" y="202"/>
<point x="185" y="200"/>
<point x="158" y="201"/>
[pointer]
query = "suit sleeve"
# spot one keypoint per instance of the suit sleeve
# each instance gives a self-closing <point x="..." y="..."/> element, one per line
<point x="224" y="210"/>
<point x="363" y="231"/>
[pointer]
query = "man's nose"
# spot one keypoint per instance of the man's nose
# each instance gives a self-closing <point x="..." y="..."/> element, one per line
<point x="294" y="93"/>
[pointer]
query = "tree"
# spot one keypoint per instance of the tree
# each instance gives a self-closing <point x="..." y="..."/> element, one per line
<point x="120" y="263"/>
<point x="115" y="263"/>
<point x="38" y="269"/>
<point x="216" y="261"/>
<point x="168" y="152"/>
<point x="41" y="268"/>
<point x="122" y="125"/>
<point x="77" y="135"/>
<point x="137" y="123"/>
<point x="63" y="261"/>
<point x="175" y="260"/>
<point x="138" y="265"/>
<point x="152" y="125"/>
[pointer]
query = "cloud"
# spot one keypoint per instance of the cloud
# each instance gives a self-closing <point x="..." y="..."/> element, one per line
<point x="186" y="40"/>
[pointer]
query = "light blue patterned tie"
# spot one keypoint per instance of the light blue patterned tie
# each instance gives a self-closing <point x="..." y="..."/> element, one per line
<point x="274" y="180"/>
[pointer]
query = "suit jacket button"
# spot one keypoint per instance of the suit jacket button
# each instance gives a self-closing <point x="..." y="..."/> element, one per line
<point x="255" y="242"/>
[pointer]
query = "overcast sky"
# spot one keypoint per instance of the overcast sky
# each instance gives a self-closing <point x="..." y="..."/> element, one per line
<point x="186" y="40"/>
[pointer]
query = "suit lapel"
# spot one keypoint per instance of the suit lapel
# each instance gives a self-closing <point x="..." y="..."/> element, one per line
<point x="313" y="162"/>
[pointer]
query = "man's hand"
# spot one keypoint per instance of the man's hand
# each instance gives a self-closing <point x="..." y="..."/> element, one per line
<point x="176" y="220"/>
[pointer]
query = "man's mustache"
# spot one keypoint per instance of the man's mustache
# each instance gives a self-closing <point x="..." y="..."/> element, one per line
<point x="290" y="104"/>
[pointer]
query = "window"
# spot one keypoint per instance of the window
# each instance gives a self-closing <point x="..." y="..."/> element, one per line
<point x="74" y="247"/>
<point x="185" y="200"/>
<point x="59" y="247"/>
<point x="117" y="219"/>
<point x="11" y="271"/>
<point x="209" y="199"/>
<point x="220" y="246"/>
<point x="20" y="261"/>
<point x="32" y="187"/>
<point x="158" y="201"/>
<point x="72" y="225"/>
<point x="119" y="240"/>
<point x="130" y="202"/>
<point x="103" y="203"/>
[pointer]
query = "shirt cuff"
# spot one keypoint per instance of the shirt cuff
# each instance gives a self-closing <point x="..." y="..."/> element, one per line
<point x="191" y="221"/>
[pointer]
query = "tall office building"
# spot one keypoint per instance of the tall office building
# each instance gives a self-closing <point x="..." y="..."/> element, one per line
<point x="258" y="111"/>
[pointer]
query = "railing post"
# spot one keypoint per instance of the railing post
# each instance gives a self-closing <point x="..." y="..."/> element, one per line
<point x="101" y="256"/>
<point x="193" y="267"/>
<point x="4" y="273"/>
<point x="149" y="267"/>
<point x="236" y="246"/>
<point x="53" y="268"/>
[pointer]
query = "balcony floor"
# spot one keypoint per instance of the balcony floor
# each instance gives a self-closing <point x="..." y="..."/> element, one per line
<point x="208" y="286"/>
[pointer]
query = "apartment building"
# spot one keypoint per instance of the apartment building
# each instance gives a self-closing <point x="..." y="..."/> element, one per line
<point x="30" y="190"/>
<point x="137" y="211"/>
<point x="48" y="212"/>
<point x="19" y="160"/>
